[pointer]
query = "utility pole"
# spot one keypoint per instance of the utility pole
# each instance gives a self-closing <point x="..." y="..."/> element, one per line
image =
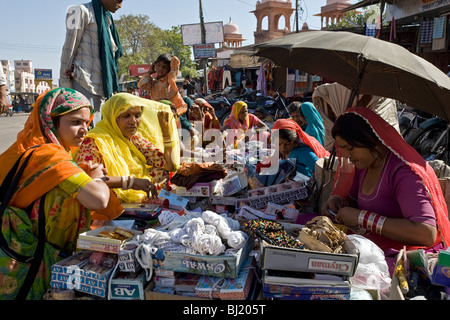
<point x="296" y="15"/>
<point x="205" y="60"/>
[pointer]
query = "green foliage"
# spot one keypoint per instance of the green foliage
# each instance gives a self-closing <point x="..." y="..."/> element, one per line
<point x="356" y="18"/>
<point x="143" y="42"/>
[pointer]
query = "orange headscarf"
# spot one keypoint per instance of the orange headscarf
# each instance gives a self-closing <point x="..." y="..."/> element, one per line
<point x="310" y="141"/>
<point x="50" y="164"/>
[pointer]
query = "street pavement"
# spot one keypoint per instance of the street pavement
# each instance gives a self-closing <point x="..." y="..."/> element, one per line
<point x="9" y="127"/>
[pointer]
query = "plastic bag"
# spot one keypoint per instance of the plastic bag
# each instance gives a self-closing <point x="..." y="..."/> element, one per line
<point x="372" y="271"/>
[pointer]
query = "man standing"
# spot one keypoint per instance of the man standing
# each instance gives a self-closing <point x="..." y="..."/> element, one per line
<point x="91" y="52"/>
<point x="4" y="104"/>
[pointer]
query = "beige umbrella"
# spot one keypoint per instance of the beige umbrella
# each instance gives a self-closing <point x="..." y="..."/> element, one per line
<point x="366" y="65"/>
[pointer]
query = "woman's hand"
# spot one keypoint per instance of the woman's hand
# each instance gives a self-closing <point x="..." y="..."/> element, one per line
<point x="145" y="185"/>
<point x="348" y="216"/>
<point x="94" y="170"/>
<point x="333" y="204"/>
<point x="163" y="118"/>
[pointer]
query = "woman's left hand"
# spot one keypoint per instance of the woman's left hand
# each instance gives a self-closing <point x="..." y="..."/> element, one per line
<point x="163" y="118"/>
<point x="145" y="185"/>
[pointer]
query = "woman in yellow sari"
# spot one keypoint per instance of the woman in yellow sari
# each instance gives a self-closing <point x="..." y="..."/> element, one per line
<point x="57" y="124"/>
<point x="137" y="142"/>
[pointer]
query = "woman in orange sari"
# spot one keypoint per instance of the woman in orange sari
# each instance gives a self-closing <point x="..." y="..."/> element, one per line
<point x="57" y="125"/>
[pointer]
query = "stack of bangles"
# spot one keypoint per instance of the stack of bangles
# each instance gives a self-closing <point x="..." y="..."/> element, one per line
<point x="127" y="182"/>
<point x="167" y="142"/>
<point x="371" y="221"/>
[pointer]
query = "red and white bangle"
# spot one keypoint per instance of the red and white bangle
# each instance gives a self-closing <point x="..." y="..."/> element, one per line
<point x="371" y="221"/>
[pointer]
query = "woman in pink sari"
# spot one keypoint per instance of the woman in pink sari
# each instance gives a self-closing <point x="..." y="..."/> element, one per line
<point x="393" y="196"/>
<point x="240" y="121"/>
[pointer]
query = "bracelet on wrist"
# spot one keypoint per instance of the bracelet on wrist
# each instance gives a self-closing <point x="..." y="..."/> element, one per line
<point x="371" y="221"/>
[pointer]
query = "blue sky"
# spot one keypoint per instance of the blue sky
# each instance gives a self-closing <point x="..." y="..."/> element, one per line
<point x="35" y="29"/>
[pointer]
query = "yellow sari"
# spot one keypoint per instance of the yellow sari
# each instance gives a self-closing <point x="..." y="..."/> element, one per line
<point x="120" y="155"/>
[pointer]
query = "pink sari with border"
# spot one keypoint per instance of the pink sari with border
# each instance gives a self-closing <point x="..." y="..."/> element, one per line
<point x="395" y="142"/>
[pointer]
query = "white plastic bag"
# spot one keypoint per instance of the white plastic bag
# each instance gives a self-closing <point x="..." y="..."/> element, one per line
<point x="372" y="271"/>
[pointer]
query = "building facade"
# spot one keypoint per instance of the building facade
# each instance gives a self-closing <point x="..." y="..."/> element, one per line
<point x="24" y="78"/>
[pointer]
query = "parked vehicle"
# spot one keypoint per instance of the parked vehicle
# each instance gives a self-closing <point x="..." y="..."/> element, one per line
<point x="426" y="133"/>
<point x="431" y="139"/>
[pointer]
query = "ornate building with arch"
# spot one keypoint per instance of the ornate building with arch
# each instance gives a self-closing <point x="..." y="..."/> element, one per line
<point x="332" y="12"/>
<point x="273" y="10"/>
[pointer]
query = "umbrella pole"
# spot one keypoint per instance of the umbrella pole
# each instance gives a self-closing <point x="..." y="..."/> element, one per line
<point x="355" y="90"/>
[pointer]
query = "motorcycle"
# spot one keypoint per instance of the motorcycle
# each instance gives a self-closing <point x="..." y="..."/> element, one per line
<point x="431" y="139"/>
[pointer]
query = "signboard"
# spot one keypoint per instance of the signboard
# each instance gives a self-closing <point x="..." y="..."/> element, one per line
<point x="434" y="4"/>
<point x="43" y="74"/>
<point x="203" y="51"/>
<point x="138" y="70"/>
<point x="192" y="33"/>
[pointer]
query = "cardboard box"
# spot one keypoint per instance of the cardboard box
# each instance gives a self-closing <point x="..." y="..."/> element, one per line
<point x="279" y="194"/>
<point x="219" y="265"/>
<point x="63" y="273"/>
<point x="201" y="189"/>
<point x="290" y="259"/>
<point x="89" y="240"/>
<point x="441" y="272"/>
<point x="234" y="184"/>
<point x="303" y="288"/>
<point x="153" y="295"/>
<point x="227" y="288"/>
<point x="127" y="286"/>
<point x="127" y="261"/>
<point x="83" y="277"/>
<point x="175" y="201"/>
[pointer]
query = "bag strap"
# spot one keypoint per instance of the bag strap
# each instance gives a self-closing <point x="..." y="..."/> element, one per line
<point x="7" y="190"/>
<point x="38" y="255"/>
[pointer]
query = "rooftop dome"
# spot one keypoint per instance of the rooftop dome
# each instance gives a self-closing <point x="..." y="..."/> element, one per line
<point x="231" y="28"/>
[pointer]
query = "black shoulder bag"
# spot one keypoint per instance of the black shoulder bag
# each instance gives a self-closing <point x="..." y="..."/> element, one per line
<point x="7" y="190"/>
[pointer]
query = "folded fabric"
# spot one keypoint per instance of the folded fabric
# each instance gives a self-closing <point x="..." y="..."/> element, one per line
<point x="192" y="173"/>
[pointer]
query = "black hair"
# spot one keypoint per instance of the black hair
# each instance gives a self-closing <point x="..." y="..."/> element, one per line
<point x="288" y="135"/>
<point x="355" y="131"/>
<point x="56" y="121"/>
<point x="295" y="107"/>
<point x="165" y="57"/>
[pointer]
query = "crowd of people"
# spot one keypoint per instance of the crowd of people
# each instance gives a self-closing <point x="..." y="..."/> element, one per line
<point x="80" y="171"/>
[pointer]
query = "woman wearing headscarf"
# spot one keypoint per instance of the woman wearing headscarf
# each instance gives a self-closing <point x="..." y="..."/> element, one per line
<point x="393" y="195"/>
<point x="331" y="100"/>
<point x="206" y="114"/>
<point x="137" y="142"/>
<point x="293" y="142"/>
<point x="241" y="121"/>
<point x="307" y="117"/>
<point x="262" y="114"/>
<point x="56" y="125"/>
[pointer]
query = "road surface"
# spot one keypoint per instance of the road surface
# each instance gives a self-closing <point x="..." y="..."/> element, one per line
<point x="9" y="127"/>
